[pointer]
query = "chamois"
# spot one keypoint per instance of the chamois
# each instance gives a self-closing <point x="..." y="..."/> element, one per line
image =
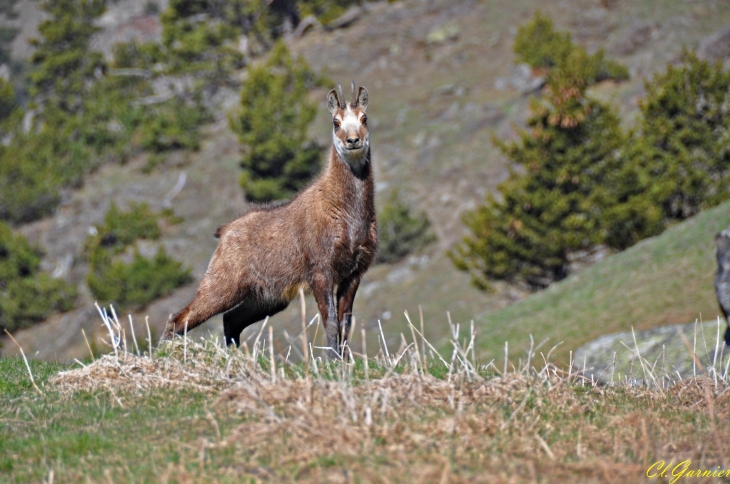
<point x="325" y="237"/>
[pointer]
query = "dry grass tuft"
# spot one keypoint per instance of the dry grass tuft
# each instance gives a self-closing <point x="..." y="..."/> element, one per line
<point x="207" y="367"/>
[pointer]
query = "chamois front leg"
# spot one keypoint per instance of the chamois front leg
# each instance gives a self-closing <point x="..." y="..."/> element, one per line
<point x="345" y="297"/>
<point x="322" y="289"/>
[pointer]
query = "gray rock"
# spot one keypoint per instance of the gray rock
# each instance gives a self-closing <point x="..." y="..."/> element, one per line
<point x="662" y="349"/>
<point x="28" y="120"/>
<point x="521" y="78"/>
<point x="307" y="23"/>
<point x="348" y="18"/>
<point x="443" y="33"/>
<point x="715" y="47"/>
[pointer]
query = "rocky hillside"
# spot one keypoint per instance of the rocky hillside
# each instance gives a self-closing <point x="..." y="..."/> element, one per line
<point x="442" y="81"/>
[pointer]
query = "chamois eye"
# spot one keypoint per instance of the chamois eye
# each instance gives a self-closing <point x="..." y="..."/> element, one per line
<point x="364" y="120"/>
<point x="336" y="123"/>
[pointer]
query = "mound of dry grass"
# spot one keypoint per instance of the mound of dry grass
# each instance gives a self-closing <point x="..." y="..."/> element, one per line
<point x="389" y="419"/>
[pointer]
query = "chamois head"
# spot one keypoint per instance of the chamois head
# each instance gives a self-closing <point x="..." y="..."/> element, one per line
<point x="350" y="124"/>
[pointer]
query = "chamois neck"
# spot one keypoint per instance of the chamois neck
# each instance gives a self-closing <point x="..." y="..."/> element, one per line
<point x="356" y="166"/>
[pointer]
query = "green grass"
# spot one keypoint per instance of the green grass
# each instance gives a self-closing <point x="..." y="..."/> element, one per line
<point x="663" y="280"/>
<point x="88" y="433"/>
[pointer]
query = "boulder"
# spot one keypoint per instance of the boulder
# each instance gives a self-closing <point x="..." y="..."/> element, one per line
<point x="521" y="78"/>
<point x="663" y="351"/>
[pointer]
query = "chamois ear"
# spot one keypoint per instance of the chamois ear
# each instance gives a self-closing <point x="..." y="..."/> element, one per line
<point x="362" y="98"/>
<point x="333" y="104"/>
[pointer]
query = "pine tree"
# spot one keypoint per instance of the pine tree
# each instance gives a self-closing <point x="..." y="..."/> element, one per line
<point x="553" y="207"/>
<point x="140" y="281"/>
<point x="401" y="230"/>
<point x="272" y="123"/>
<point x="200" y="36"/>
<point x="63" y="65"/>
<point x="685" y="136"/>
<point x="678" y="161"/>
<point x="539" y="45"/>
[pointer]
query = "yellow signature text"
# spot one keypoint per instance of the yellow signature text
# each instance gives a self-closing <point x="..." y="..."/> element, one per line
<point x="661" y="469"/>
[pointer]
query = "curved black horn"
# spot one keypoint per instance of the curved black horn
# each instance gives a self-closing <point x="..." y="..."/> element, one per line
<point x="353" y="99"/>
<point x="342" y="97"/>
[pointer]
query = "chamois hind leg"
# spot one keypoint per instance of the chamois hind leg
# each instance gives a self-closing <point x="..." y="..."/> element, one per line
<point x="243" y="316"/>
<point x="216" y="294"/>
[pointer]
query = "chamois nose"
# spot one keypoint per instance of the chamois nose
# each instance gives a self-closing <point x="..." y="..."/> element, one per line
<point x="352" y="141"/>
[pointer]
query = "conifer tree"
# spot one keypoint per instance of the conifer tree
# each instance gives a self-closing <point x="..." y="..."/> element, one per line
<point x="139" y="282"/>
<point x="678" y="161"/>
<point x="54" y="152"/>
<point x="401" y="230"/>
<point x="200" y="36"/>
<point x="553" y="207"/>
<point x="685" y="136"/>
<point x="539" y="45"/>
<point x="64" y="67"/>
<point x="26" y="294"/>
<point x="272" y="123"/>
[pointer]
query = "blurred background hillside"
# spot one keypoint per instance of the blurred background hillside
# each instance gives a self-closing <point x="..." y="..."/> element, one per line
<point x="557" y="172"/>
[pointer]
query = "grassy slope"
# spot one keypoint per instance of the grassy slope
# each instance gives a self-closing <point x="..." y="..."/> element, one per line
<point x="662" y="280"/>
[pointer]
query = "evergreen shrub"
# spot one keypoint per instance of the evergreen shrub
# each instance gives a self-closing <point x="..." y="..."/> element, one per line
<point x="401" y="231"/>
<point x="272" y="123"/>
<point x="27" y="295"/>
<point x="139" y="282"/>
<point x="539" y="45"/>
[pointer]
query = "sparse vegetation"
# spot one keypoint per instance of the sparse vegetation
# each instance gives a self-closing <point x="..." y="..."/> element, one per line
<point x="400" y="230"/>
<point x="141" y="281"/>
<point x="272" y="123"/>
<point x="27" y="295"/>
